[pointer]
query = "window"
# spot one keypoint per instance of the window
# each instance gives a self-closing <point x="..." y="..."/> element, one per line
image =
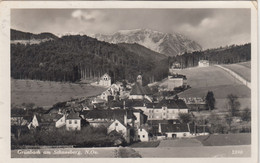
<point x="116" y="124"/>
<point x="138" y="136"/>
<point x="76" y="122"/>
<point x="143" y="136"/>
<point x="70" y="122"/>
<point x="140" y="129"/>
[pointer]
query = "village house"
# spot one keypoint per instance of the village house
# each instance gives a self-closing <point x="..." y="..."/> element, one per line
<point x="141" y="118"/>
<point x="105" y="80"/>
<point x="97" y="118"/>
<point x="176" y="66"/>
<point x="61" y="121"/>
<point x="34" y="123"/>
<point x="120" y="127"/>
<point x="166" y="109"/>
<point x="203" y="63"/>
<point x="195" y="103"/>
<point x="143" y="134"/>
<point x="175" y="130"/>
<point x="73" y="122"/>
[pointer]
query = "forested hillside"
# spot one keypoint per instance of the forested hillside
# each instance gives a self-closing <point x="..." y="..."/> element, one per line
<point x="222" y="55"/>
<point x="19" y="35"/>
<point x="72" y="58"/>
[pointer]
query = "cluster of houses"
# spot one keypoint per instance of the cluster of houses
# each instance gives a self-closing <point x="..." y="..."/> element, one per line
<point x="134" y="114"/>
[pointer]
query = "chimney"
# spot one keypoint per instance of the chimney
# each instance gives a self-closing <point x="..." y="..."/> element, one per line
<point x="160" y="128"/>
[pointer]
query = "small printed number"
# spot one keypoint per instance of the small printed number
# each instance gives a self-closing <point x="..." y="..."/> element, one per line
<point x="237" y="152"/>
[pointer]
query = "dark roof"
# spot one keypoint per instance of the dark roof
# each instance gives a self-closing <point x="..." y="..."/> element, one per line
<point x="156" y="122"/>
<point x="183" y="127"/>
<point x="73" y="116"/>
<point x="170" y="103"/>
<point x="108" y="114"/>
<point x="138" y="89"/>
<point x="116" y="103"/>
<point x="136" y="102"/>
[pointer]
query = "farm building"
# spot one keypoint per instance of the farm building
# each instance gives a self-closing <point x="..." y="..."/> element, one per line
<point x="105" y="80"/>
<point x="203" y="63"/>
<point x="176" y="80"/>
<point x="175" y="130"/>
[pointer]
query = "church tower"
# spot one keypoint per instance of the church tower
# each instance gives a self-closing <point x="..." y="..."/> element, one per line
<point x="139" y="80"/>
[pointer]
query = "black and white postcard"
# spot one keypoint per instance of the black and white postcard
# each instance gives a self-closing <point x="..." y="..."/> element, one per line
<point x="172" y="81"/>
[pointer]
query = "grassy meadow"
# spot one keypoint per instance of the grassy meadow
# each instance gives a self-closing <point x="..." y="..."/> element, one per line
<point x="204" y="79"/>
<point x="242" y="69"/>
<point x="47" y="93"/>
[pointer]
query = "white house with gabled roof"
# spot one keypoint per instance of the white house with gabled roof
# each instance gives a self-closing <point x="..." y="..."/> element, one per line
<point x="105" y="80"/>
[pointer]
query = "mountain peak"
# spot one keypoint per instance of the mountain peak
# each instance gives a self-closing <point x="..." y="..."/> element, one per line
<point x="165" y="43"/>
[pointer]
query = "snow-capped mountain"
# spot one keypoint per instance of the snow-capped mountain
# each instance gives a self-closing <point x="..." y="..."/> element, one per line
<point x="165" y="43"/>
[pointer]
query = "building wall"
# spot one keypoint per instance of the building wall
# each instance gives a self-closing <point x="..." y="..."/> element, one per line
<point x="143" y="135"/>
<point x="116" y="125"/>
<point x="178" y="134"/>
<point x="73" y="124"/>
<point x="203" y="64"/>
<point x="61" y="122"/>
<point x="105" y="80"/>
<point x="175" y="82"/>
<point x="164" y="113"/>
<point x="136" y="97"/>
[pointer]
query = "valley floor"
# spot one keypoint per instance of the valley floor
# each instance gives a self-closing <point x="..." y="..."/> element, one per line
<point x="47" y="93"/>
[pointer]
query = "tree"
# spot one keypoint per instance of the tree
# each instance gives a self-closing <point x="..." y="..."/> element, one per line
<point x="217" y="124"/>
<point x="210" y="100"/>
<point x="233" y="104"/>
<point x="185" y="117"/>
<point x="229" y="120"/>
<point x="246" y="115"/>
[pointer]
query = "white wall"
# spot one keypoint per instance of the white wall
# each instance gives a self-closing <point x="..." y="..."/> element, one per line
<point x="119" y="127"/>
<point x="143" y="135"/>
<point x="178" y="134"/>
<point x="61" y="122"/>
<point x="74" y="125"/>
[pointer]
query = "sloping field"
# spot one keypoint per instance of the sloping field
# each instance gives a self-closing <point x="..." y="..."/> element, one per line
<point x="241" y="69"/>
<point x="246" y="64"/>
<point x="46" y="93"/>
<point x="226" y="139"/>
<point x="204" y="79"/>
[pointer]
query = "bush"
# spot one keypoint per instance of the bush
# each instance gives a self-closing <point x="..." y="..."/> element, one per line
<point x="87" y="137"/>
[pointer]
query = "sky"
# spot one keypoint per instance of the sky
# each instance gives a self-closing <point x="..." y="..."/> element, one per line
<point x="211" y="28"/>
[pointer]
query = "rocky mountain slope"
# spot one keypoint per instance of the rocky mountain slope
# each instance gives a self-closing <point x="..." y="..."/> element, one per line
<point x="165" y="43"/>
